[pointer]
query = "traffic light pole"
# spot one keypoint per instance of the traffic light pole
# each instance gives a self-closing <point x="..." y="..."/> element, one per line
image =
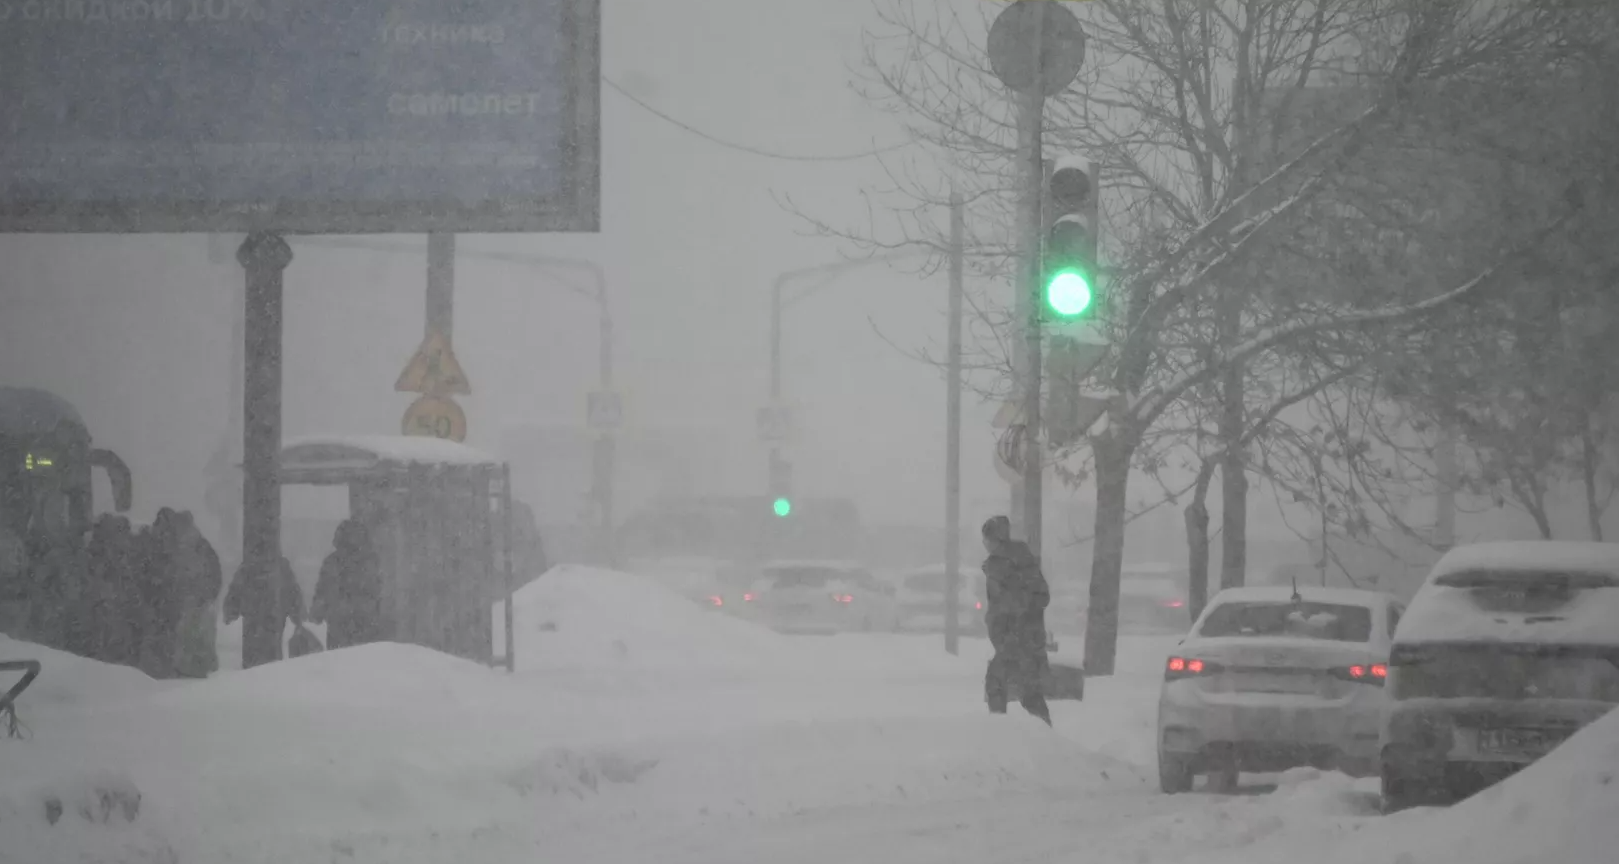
<point x="1027" y="513"/>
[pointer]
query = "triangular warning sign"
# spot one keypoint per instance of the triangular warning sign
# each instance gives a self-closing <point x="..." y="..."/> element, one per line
<point x="434" y="370"/>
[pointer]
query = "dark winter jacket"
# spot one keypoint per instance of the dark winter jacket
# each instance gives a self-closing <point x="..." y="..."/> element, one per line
<point x="1016" y="595"/>
<point x="348" y="594"/>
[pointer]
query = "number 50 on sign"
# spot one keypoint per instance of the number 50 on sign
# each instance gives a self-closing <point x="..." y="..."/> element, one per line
<point x="435" y="417"/>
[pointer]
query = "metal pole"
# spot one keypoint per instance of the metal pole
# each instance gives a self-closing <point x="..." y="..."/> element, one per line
<point x="774" y="456"/>
<point x="264" y="257"/>
<point x="952" y="459"/>
<point x="511" y="578"/>
<point x="606" y="443"/>
<point x="1030" y="127"/>
<point x="440" y="316"/>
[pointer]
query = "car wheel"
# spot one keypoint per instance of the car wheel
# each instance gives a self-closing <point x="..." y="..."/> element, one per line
<point x="1174" y="774"/>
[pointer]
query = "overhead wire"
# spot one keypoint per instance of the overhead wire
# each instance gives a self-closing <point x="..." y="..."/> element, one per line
<point x="745" y="148"/>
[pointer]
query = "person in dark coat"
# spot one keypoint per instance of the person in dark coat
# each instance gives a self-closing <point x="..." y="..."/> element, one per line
<point x="199" y="579"/>
<point x="248" y="599"/>
<point x="348" y="594"/>
<point x="114" y="615"/>
<point x="159" y="607"/>
<point x="1016" y="595"/>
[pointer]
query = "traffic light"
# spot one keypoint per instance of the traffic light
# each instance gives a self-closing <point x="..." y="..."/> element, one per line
<point x="1070" y="287"/>
<point x="781" y="485"/>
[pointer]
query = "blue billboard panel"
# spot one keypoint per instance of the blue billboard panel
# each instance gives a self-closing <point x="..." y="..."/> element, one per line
<point x="302" y="116"/>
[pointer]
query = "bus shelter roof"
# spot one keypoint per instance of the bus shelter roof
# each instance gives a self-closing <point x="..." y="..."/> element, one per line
<point x="340" y="459"/>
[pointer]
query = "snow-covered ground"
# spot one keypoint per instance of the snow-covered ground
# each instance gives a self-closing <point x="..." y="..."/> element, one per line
<point x="643" y="728"/>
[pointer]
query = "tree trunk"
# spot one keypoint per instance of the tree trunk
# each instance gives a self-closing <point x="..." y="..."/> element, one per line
<point x="1590" y="459"/>
<point x="1233" y="481"/>
<point x="1197" y="543"/>
<point x="1107" y="552"/>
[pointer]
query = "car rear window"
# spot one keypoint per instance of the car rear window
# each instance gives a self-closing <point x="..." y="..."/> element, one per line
<point x="1335" y="622"/>
<point x="816" y="577"/>
<point x="1510" y="672"/>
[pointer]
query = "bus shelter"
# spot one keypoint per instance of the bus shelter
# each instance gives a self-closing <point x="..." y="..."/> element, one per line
<point x="440" y="518"/>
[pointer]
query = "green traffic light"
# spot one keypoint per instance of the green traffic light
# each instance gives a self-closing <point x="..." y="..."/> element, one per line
<point x="783" y="507"/>
<point x="1068" y="293"/>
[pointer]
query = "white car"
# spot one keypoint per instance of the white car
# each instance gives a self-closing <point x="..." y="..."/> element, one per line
<point x="821" y="597"/>
<point x="921" y="600"/>
<point x="1272" y="678"/>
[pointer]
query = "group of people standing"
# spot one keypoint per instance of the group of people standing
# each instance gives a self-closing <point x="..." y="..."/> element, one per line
<point x="149" y="600"/>
<point x="152" y="597"/>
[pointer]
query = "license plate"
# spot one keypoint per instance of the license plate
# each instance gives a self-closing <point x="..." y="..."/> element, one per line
<point x="1272" y="682"/>
<point x="1517" y="742"/>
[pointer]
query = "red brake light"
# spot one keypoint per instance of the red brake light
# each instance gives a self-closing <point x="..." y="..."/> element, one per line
<point x="979" y="605"/>
<point x="1187" y="667"/>
<point x="1375" y="673"/>
<point x="1174" y="604"/>
<point x="842" y="598"/>
<point x="747" y="598"/>
<point x="717" y="600"/>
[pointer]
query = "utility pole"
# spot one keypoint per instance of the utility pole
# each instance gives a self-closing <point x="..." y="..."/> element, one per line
<point x="952" y="459"/>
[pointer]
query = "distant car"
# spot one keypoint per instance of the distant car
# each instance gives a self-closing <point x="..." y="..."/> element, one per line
<point x="1508" y="649"/>
<point x="921" y="600"/>
<point x="821" y="597"/>
<point x="1154" y="603"/>
<point x="1271" y="679"/>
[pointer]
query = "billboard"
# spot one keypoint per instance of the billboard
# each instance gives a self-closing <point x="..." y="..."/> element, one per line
<point x="300" y="116"/>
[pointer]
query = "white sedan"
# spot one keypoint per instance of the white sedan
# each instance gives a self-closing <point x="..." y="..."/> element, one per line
<point x="1272" y="678"/>
<point x="821" y="597"/>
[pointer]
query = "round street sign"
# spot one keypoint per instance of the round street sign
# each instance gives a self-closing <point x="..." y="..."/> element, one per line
<point x="435" y="417"/>
<point x="1011" y="46"/>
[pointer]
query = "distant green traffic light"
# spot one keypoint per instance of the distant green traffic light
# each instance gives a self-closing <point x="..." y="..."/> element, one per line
<point x="783" y="507"/>
<point x="1068" y="293"/>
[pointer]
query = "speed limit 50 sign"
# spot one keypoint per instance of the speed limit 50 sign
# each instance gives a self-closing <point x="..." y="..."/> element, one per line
<point x="435" y="417"/>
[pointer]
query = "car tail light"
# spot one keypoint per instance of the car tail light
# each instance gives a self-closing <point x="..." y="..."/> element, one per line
<point x="717" y="601"/>
<point x="842" y="598"/>
<point x="1364" y="673"/>
<point x="748" y="598"/>
<point x="1174" y="604"/>
<point x="1188" y="667"/>
<point x="979" y="605"/>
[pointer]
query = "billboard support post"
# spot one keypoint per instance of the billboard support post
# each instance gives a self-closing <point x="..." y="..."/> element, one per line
<point x="264" y="257"/>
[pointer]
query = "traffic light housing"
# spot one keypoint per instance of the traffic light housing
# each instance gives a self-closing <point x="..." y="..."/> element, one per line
<point x="1070" y="288"/>
<point x="781" y="485"/>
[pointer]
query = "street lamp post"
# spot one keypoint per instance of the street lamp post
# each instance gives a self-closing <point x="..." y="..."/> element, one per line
<point x="779" y="302"/>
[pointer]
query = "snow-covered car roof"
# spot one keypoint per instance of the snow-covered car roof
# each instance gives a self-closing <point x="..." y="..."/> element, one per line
<point x="1465" y="613"/>
<point x="1531" y="556"/>
<point x="1310" y="594"/>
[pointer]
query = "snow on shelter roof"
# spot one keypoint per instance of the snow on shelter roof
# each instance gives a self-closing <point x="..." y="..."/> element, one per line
<point x="304" y="458"/>
<point x="1472" y="613"/>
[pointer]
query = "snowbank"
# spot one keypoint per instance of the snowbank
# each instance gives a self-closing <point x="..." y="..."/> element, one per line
<point x="634" y="714"/>
<point x="1559" y="809"/>
<point x="70" y="681"/>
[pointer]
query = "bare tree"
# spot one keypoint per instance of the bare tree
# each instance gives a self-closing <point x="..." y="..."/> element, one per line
<point x="1173" y="105"/>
